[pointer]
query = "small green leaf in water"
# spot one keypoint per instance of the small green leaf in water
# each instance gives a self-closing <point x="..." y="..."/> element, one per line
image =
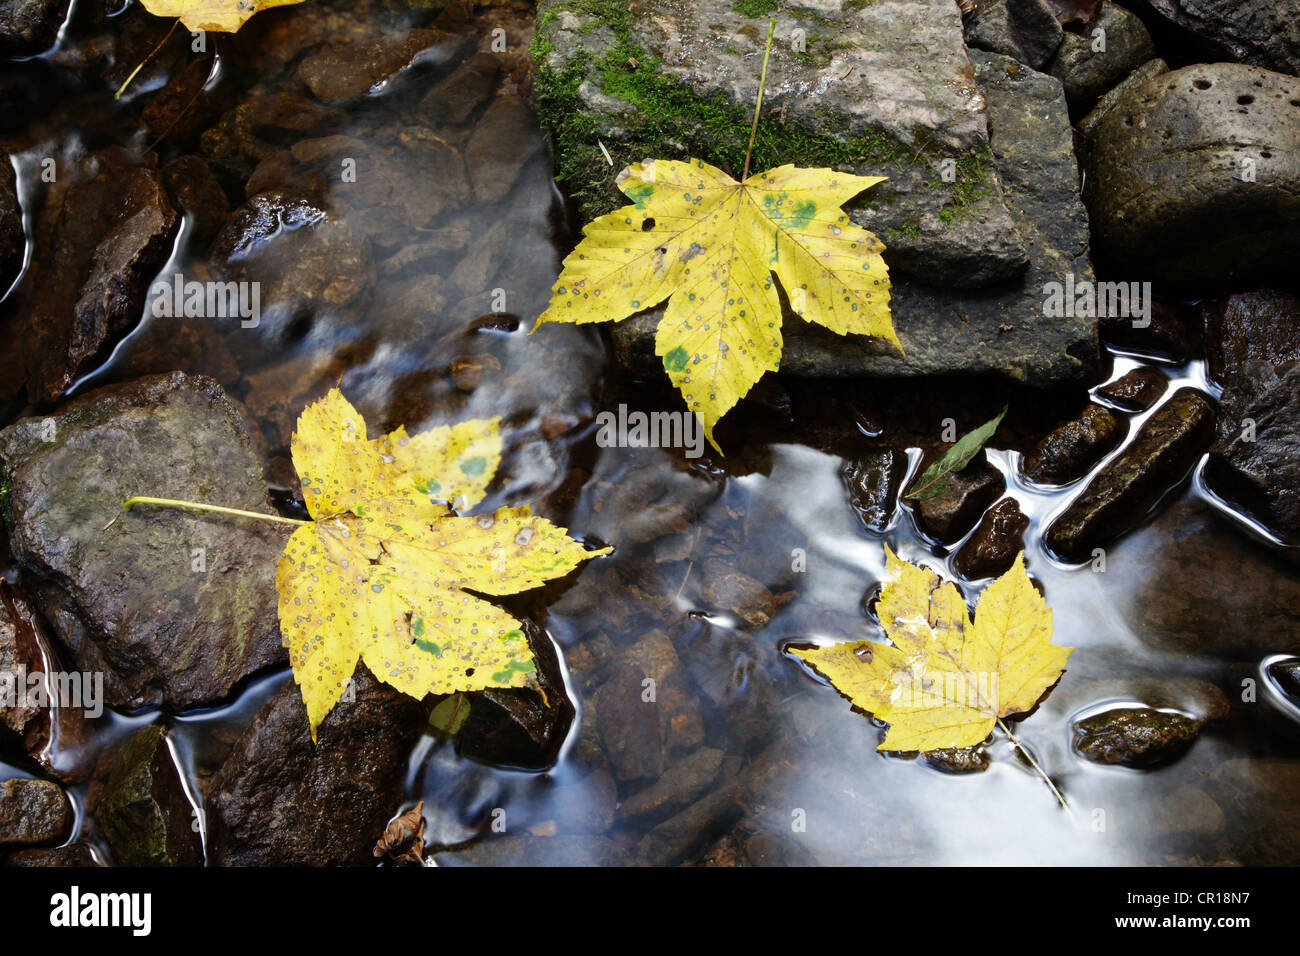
<point x="934" y="480"/>
<point x="450" y="715"/>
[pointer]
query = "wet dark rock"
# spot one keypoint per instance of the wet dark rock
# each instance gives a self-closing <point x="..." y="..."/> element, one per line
<point x="629" y="725"/>
<point x="1000" y="330"/>
<point x="1287" y="675"/>
<point x="1172" y="332"/>
<point x="1135" y="736"/>
<point x="143" y="811"/>
<point x="73" y="854"/>
<point x="351" y="68"/>
<point x="583" y="850"/>
<point x="32" y="812"/>
<point x="128" y="601"/>
<point x="1025" y="30"/>
<point x="998" y="538"/>
<point x="308" y="262"/>
<point x="1119" y="496"/>
<point x="1263" y="32"/>
<point x="280" y="800"/>
<point x="454" y="100"/>
<point x="258" y="126"/>
<point x="12" y="240"/>
<point x="1137" y="390"/>
<point x="872" y="481"/>
<point x="1203" y="158"/>
<point x="1261" y="326"/>
<point x="54" y="732"/>
<point x="947" y="516"/>
<point x="197" y="193"/>
<point x="1088" y="72"/>
<point x="1067" y="453"/>
<point x="1089" y="125"/>
<point x="503" y="141"/>
<point x="100" y="239"/>
<point x="685" y="781"/>
<point x="958" y="759"/>
<point x="1256" y="460"/>
<point x="20" y="655"/>
<point x="28" y="27"/>
<point x="515" y="726"/>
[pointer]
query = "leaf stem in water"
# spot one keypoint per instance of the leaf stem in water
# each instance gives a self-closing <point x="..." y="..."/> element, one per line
<point x="1034" y="763"/>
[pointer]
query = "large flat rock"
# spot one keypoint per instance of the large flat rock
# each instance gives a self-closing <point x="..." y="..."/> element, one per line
<point x="1002" y="329"/>
<point x="883" y="89"/>
<point x="174" y="607"/>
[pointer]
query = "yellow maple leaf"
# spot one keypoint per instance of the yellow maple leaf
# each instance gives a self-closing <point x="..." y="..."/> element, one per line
<point x="709" y="245"/>
<point x="380" y="573"/>
<point x="225" y="16"/>
<point x="944" y="681"/>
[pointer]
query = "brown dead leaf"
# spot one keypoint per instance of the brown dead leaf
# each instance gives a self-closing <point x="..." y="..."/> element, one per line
<point x="403" y="839"/>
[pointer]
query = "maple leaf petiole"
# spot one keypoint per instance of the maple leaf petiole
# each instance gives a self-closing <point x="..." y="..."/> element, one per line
<point x="1034" y="763"/>
<point x="199" y="506"/>
<point x="758" y="106"/>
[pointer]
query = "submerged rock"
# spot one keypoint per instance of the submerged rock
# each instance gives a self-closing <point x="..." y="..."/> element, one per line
<point x="173" y="606"/>
<point x="101" y="236"/>
<point x="1194" y="177"/>
<point x="1066" y="453"/>
<point x="1089" y="64"/>
<point x="1135" y="736"/>
<point x="998" y="538"/>
<point x="307" y="262"/>
<point x="1263" y="32"/>
<point x="1119" y="496"/>
<point x="349" y="68"/>
<point x="143" y="812"/>
<point x="281" y="800"/>
<point x="1256" y="460"/>
<point x="32" y="812"/>
<point x="1026" y="30"/>
<point x="1135" y="391"/>
<point x="684" y="782"/>
<point x="585" y="850"/>
<point x="947" y="516"/>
